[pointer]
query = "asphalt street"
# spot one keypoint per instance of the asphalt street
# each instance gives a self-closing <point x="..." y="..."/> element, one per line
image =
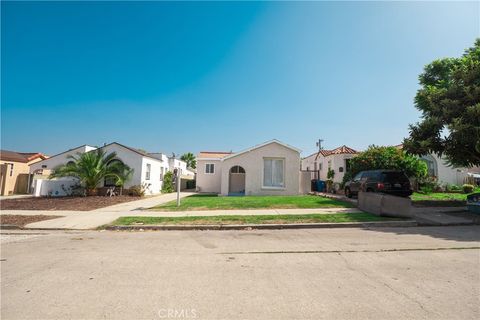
<point x="390" y="273"/>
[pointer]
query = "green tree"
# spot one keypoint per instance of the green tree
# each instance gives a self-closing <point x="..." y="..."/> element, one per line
<point x="91" y="168"/>
<point x="449" y="99"/>
<point x="376" y="157"/>
<point x="189" y="158"/>
<point x="167" y="186"/>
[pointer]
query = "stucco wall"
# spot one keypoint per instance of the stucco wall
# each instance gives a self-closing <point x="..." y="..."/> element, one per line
<point x="10" y="183"/>
<point x="308" y="163"/>
<point x="337" y="161"/>
<point x="450" y="175"/>
<point x="252" y="162"/>
<point x="207" y="182"/>
<point x="139" y="165"/>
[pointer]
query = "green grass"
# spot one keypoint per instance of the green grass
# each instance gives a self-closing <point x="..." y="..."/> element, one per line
<point x="254" y="219"/>
<point x="213" y="202"/>
<point x="439" y="196"/>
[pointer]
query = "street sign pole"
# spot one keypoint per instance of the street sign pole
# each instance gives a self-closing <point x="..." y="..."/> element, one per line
<point x="178" y="187"/>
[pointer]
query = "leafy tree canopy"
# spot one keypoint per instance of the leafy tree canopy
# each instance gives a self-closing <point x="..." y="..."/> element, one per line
<point x="386" y="158"/>
<point x="449" y="99"/>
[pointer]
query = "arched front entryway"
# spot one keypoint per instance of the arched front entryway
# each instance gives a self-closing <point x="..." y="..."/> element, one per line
<point x="236" y="181"/>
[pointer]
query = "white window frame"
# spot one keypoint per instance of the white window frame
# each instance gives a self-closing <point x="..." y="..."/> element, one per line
<point x="263" y="175"/>
<point x="148" y="171"/>
<point x="212" y="167"/>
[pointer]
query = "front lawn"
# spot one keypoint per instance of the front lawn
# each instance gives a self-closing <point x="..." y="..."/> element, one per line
<point x="214" y="202"/>
<point x="442" y="196"/>
<point x="253" y="219"/>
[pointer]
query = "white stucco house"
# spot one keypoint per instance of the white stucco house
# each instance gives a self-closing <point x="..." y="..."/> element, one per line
<point x="336" y="159"/>
<point x="148" y="169"/>
<point x="270" y="168"/>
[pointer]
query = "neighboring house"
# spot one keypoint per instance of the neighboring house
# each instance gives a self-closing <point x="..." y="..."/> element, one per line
<point x="445" y="174"/>
<point x="439" y="169"/>
<point x="148" y="169"/>
<point x="337" y="159"/>
<point x="271" y="168"/>
<point x="14" y="171"/>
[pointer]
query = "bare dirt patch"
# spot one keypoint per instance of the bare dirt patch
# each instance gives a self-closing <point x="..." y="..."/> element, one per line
<point x="63" y="203"/>
<point x="20" y="221"/>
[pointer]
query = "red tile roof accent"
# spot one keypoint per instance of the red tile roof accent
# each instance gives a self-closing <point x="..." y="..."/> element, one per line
<point x="340" y="150"/>
<point x="23" y="157"/>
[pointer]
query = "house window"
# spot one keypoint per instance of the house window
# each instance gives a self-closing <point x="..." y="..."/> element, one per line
<point x="147" y="172"/>
<point x="161" y="173"/>
<point x="237" y="169"/>
<point x="11" y="170"/>
<point x="315" y="166"/>
<point x="210" y="168"/>
<point x="273" y="173"/>
<point x="320" y="166"/>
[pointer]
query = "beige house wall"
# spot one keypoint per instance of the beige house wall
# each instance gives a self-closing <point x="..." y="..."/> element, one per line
<point x="14" y="183"/>
<point x="252" y="162"/>
<point x="209" y="182"/>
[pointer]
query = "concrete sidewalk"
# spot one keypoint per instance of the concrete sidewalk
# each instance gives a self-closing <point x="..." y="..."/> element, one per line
<point x="94" y="219"/>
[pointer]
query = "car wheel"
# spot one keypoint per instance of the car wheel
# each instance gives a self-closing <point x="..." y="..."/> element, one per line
<point x="348" y="193"/>
<point x="369" y="190"/>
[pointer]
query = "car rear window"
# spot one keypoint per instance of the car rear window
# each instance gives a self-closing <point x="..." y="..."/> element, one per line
<point x="394" y="177"/>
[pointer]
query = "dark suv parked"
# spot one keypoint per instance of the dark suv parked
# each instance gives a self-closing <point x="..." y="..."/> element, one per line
<point x="385" y="181"/>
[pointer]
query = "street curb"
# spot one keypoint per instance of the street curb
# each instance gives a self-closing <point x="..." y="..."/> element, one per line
<point x="380" y="224"/>
<point x="10" y="227"/>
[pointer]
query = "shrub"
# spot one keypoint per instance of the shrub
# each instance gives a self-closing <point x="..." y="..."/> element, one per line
<point x="428" y="185"/>
<point x="138" y="190"/>
<point x="468" y="188"/>
<point x="453" y="188"/>
<point x="167" y="182"/>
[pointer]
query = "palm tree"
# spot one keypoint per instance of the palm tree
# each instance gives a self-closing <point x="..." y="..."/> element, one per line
<point x="189" y="158"/>
<point x="92" y="167"/>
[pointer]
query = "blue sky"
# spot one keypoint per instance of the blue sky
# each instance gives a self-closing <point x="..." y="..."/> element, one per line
<point x="178" y="77"/>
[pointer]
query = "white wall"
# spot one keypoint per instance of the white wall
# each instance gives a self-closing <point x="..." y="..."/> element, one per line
<point x="308" y="163"/>
<point x="54" y="188"/>
<point x="450" y="175"/>
<point x="336" y="161"/>
<point x="139" y="165"/>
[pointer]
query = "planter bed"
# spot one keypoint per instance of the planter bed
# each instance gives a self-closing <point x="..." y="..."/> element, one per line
<point x="21" y="221"/>
<point x="63" y="203"/>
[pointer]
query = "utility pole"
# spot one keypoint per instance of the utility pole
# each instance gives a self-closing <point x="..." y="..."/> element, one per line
<point x="319" y="144"/>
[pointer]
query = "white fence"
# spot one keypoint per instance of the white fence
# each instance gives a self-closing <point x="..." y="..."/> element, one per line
<point x="53" y="188"/>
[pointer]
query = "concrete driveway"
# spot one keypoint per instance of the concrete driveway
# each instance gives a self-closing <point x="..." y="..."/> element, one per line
<point x="394" y="273"/>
